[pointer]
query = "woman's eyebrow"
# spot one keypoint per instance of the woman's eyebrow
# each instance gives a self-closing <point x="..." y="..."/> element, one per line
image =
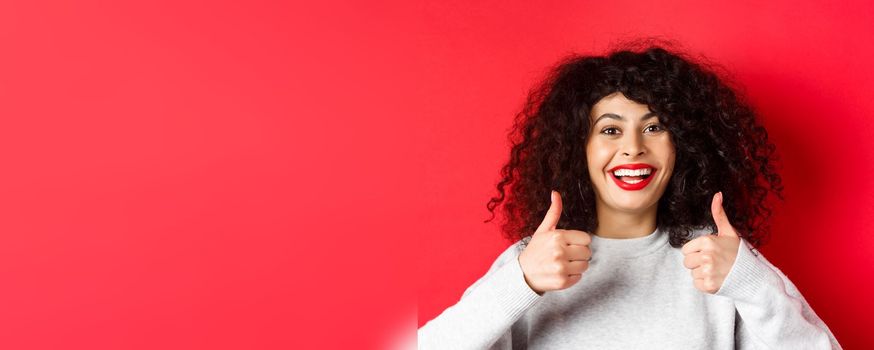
<point x="619" y="117"/>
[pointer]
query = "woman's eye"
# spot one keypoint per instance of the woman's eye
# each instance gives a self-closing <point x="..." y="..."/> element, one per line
<point x="610" y="131"/>
<point x="654" y="128"/>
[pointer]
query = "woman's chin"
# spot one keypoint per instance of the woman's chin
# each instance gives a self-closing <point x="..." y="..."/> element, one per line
<point x="633" y="205"/>
<point x="632" y="210"/>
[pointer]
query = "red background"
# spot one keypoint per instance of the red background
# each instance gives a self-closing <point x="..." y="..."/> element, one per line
<point x="256" y="175"/>
<point x="203" y="174"/>
<point x="805" y="66"/>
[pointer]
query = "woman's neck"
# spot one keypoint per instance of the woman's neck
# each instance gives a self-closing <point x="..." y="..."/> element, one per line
<point x="621" y="225"/>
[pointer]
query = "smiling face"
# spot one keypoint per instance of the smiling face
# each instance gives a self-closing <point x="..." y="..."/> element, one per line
<point x="630" y="156"/>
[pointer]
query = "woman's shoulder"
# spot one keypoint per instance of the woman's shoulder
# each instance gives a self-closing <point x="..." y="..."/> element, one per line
<point x="513" y="250"/>
<point x="509" y="254"/>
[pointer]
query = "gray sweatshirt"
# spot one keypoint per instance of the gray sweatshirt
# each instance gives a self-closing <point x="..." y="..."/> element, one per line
<point x="636" y="294"/>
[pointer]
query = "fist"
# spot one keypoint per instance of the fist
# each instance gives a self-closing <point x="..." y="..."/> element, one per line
<point x="555" y="259"/>
<point x="711" y="257"/>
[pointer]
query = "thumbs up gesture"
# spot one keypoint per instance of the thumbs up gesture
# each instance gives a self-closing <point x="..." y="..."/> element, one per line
<point x="711" y="257"/>
<point x="555" y="259"/>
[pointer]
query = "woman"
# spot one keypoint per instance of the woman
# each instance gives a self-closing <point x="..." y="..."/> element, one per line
<point x="657" y="178"/>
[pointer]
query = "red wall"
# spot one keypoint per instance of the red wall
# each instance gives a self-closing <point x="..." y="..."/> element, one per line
<point x="806" y="67"/>
<point x="259" y="174"/>
<point x="203" y="174"/>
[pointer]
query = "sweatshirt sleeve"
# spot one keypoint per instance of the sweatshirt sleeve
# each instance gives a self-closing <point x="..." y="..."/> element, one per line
<point x="773" y="313"/>
<point x="486" y="310"/>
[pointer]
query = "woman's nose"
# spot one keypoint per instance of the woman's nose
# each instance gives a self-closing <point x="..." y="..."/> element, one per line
<point x="632" y="147"/>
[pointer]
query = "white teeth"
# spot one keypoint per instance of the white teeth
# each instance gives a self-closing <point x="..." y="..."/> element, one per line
<point x="631" y="181"/>
<point x="629" y="172"/>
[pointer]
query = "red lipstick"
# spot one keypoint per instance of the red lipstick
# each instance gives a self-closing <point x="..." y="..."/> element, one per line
<point x="635" y="186"/>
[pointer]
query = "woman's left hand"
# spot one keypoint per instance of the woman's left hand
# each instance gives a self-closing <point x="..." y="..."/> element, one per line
<point x="711" y="257"/>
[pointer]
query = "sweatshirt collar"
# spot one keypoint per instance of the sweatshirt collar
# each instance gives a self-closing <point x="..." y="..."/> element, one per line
<point x="628" y="247"/>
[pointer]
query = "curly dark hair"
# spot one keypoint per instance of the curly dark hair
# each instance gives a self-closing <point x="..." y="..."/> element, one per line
<point x="720" y="145"/>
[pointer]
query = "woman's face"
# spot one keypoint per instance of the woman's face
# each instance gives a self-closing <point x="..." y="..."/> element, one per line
<point x="630" y="155"/>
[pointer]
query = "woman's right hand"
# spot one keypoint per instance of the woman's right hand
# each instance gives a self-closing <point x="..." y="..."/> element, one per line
<point x="555" y="259"/>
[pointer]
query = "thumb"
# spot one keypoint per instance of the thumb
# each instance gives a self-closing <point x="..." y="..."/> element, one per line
<point x="723" y="227"/>
<point x="552" y="215"/>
